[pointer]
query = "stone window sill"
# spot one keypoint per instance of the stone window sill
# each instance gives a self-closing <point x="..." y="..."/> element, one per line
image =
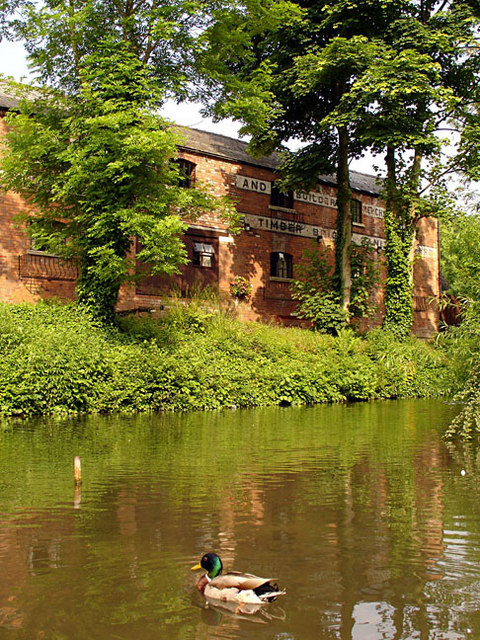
<point x="36" y="252"/>
<point x="274" y="207"/>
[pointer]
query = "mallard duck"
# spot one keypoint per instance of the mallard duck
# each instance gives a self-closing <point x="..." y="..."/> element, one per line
<point x="240" y="588"/>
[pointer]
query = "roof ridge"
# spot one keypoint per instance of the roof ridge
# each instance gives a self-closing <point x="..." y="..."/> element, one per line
<point x="213" y="133"/>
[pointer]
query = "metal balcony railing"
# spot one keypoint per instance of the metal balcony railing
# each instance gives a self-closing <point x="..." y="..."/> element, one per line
<point x="46" y="266"/>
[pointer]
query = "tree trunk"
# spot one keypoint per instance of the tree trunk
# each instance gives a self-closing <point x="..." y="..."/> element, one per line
<point x="399" y="247"/>
<point x="398" y="287"/>
<point x="98" y="294"/>
<point x="343" y="277"/>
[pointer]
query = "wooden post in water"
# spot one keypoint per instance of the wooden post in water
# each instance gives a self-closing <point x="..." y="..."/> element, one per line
<point x="77" y="475"/>
<point x="77" y="470"/>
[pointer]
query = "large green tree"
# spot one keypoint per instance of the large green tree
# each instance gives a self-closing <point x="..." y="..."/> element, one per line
<point x="352" y="75"/>
<point x="90" y="155"/>
<point x="304" y="64"/>
<point x="423" y="84"/>
<point x="60" y="34"/>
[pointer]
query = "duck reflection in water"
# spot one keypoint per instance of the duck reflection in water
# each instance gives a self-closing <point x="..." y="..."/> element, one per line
<point x="215" y="613"/>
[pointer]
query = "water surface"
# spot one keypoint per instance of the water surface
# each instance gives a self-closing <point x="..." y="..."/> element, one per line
<point x="361" y="512"/>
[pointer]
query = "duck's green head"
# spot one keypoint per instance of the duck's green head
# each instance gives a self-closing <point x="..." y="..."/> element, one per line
<point x="212" y="565"/>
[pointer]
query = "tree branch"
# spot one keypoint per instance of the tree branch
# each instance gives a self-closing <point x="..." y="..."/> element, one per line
<point x="151" y="43"/>
<point x="450" y="169"/>
<point x="73" y="40"/>
<point x="441" y="7"/>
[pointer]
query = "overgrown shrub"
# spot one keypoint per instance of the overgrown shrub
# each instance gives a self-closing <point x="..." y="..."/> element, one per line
<point x="462" y="345"/>
<point x="56" y="359"/>
<point x="317" y="295"/>
<point x="323" y="310"/>
<point x="409" y="368"/>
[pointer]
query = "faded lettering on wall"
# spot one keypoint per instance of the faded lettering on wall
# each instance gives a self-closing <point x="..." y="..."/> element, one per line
<point x="318" y="198"/>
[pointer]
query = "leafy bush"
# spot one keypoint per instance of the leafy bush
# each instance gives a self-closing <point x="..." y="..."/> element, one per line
<point x="365" y="273"/>
<point x="409" y="368"/>
<point x="322" y="309"/>
<point x="462" y="345"/>
<point x="317" y="294"/>
<point x="56" y="359"/>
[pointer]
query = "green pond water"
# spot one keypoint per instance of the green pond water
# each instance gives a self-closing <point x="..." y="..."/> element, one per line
<point x="362" y="513"/>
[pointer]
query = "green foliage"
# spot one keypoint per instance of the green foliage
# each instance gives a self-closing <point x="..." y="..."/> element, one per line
<point x="58" y="359"/>
<point x="315" y="291"/>
<point x="365" y="273"/>
<point x="462" y="345"/>
<point x="315" y="270"/>
<point x="317" y="300"/>
<point x="59" y="34"/>
<point x="460" y="255"/>
<point x="93" y="154"/>
<point x="466" y="425"/>
<point x="101" y="164"/>
<point x="399" y="285"/>
<point x="460" y="262"/>
<point x="351" y="75"/>
<point x="408" y="368"/>
<point x="416" y="81"/>
<point x="322" y="309"/>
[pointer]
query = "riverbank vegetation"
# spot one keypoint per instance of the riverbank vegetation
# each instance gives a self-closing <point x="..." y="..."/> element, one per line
<point x="461" y="266"/>
<point x="58" y="359"/>
<point x="463" y="345"/>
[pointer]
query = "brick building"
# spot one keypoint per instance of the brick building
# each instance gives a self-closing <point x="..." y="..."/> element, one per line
<point x="276" y="229"/>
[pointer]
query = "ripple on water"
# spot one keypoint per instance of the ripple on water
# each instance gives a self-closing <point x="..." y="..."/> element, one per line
<point x="350" y="507"/>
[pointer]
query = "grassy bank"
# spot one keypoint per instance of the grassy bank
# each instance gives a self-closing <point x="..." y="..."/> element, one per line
<point x="56" y="359"/>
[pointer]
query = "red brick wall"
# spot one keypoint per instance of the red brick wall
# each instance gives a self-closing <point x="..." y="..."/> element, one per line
<point x="14" y="244"/>
<point x="246" y="254"/>
<point x="426" y="279"/>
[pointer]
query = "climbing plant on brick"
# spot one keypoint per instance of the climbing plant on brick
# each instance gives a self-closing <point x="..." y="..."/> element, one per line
<point x="88" y="148"/>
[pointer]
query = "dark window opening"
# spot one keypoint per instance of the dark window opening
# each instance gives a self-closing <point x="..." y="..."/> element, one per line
<point x="48" y="237"/>
<point x="186" y="173"/>
<point x="356" y="211"/>
<point x="283" y="199"/>
<point x="281" y="265"/>
<point x="203" y="255"/>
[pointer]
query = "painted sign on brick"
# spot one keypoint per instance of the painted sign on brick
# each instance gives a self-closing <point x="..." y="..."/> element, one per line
<point x="270" y="223"/>
<point x="253" y="184"/>
<point x="291" y="227"/>
<point x="322" y="199"/>
<point x="318" y="198"/>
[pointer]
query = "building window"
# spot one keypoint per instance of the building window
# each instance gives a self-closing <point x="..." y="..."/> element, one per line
<point x="356" y="211"/>
<point x="39" y="240"/>
<point x="186" y="173"/>
<point x="281" y="265"/>
<point x="203" y="254"/>
<point x="282" y="199"/>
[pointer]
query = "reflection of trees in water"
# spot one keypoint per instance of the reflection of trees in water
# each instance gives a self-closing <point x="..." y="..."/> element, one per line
<point x="386" y="574"/>
<point x="351" y="521"/>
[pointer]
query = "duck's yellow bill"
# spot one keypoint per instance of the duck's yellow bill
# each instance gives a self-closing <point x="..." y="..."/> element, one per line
<point x="197" y="566"/>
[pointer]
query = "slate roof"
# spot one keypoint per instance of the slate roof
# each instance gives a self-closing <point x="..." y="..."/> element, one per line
<point x="363" y="182"/>
<point x="7" y="100"/>
<point x="220" y="146"/>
